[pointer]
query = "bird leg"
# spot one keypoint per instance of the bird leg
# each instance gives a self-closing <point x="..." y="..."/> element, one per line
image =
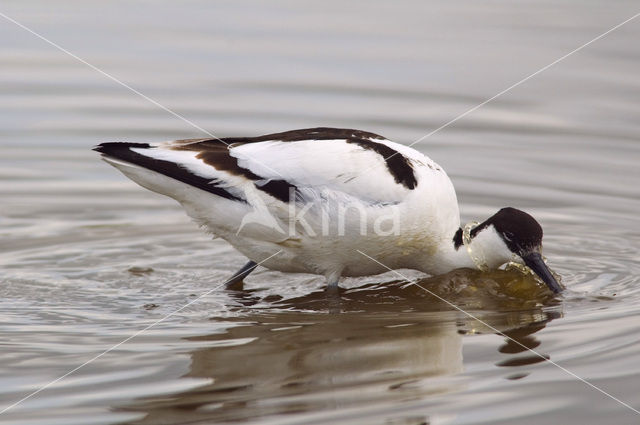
<point x="235" y="282"/>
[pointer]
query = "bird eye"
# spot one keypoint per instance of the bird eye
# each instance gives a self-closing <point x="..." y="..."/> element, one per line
<point x="508" y="236"/>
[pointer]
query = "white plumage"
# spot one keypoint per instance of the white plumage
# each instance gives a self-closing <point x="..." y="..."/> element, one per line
<point x="316" y="195"/>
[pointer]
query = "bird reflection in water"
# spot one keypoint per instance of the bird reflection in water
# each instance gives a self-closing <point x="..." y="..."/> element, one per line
<point x="389" y="343"/>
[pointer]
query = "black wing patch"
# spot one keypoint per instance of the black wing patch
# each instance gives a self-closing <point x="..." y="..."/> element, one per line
<point x="397" y="164"/>
<point x="122" y="151"/>
<point x="216" y="154"/>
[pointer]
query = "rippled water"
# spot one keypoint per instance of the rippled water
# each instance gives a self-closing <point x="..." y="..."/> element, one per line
<point x="88" y="259"/>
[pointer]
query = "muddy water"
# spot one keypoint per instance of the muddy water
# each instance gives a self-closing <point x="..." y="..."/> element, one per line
<point x="88" y="259"/>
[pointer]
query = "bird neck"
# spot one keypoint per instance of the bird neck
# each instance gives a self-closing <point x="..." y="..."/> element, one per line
<point x="482" y="249"/>
<point x="465" y="251"/>
<point x="467" y="239"/>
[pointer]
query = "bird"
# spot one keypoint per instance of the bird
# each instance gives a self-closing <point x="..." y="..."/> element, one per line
<point x="321" y="200"/>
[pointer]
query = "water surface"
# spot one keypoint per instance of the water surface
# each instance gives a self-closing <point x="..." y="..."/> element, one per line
<point x="88" y="259"/>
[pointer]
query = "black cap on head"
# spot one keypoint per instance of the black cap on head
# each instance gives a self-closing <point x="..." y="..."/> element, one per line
<point x="523" y="236"/>
<point x="519" y="230"/>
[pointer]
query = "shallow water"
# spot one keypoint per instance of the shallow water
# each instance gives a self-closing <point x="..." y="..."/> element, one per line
<point x="88" y="259"/>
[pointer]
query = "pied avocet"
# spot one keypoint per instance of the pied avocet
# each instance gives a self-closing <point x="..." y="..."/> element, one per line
<point x="318" y="196"/>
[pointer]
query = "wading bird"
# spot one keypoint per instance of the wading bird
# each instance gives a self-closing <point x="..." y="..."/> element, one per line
<point x="319" y="196"/>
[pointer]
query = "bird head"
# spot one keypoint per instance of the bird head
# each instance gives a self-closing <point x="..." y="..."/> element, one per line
<point x="508" y="232"/>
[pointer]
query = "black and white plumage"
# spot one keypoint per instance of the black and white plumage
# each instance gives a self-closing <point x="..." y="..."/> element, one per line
<point x="319" y="195"/>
